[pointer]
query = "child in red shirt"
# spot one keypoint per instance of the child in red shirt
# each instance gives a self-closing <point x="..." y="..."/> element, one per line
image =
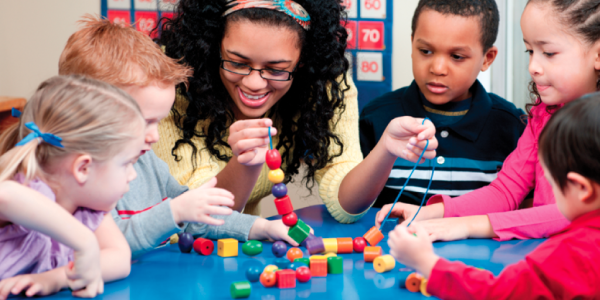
<point x="566" y="265"/>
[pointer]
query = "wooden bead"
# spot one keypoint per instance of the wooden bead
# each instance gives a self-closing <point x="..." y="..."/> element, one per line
<point x="315" y="245"/>
<point x="330" y="245"/>
<point x="252" y="248"/>
<point x="286" y="279"/>
<point x="174" y="239"/>
<point x="227" y="247"/>
<point x="371" y="253"/>
<point x="303" y="274"/>
<point x="240" y="289"/>
<point x="294" y="253"/>
<point x="283" y="205"/>
<point x="290" y="219"/>
<point x="329" y="254"/>
<point x="335" y="265"/>
<point x="344" y="245"/>
<point x="253" y="274"/>
<point x="423" y="288"/>
<point x="282" y="263"/>
<point x="204" y="246"/>
<point x="413" y="282"/>
<point x="318" y="267"/>
<point x="186" y="241"/>
<point x="384" y="263"/>
<point x="279" y="249"/>
<point x="273" y="159"/>
<point x="359" y="244"/>
<point x="373" y="236"/>
<point x="268" y="279"/>
<point x="279" y="190"/>
<point x="299" y="232"/>
<point x="270" y="268"/>
<point x="276" y="176"/>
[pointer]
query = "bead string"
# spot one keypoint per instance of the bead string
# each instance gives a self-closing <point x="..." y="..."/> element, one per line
<point x="270" y="138"/>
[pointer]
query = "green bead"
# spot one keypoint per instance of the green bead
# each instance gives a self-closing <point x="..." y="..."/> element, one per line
<point x="304" y="260"/>
<point x="252" y="248"/>
<point x="240" y="289"/>
<point x="299" y="232"/>
<point x="335" y="265"/>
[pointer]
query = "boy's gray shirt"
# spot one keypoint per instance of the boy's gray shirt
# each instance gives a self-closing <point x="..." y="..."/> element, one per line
<point x="144" y="213"/>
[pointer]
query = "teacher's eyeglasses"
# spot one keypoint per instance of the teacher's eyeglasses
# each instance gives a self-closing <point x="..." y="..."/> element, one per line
<point x="244" y="69"/>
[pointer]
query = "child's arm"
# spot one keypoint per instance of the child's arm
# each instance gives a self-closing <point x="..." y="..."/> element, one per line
<point x="115" y="255"/>
<point x="31" y="209"/>
<point x="404" y="137"/>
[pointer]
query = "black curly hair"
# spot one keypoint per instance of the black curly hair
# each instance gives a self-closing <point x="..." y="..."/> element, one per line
<point x="195" y="35"/>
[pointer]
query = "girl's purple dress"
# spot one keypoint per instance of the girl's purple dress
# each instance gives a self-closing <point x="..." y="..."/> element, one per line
<point x="24" y="251"/>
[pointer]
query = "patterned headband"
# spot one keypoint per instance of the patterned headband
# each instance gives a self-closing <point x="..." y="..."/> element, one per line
<point x="288" y="7"/>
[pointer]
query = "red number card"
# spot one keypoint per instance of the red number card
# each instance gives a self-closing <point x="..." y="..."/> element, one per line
<point x="370" y="35"/>
<point x="119" y="17"/>
<point x="146" y="21"/>
<point x="351" y="29"/>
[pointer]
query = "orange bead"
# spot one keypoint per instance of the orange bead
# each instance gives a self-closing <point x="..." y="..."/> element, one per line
<point x="373" y="236"/>
<point x="268" y="279"/>
<point x="344" y="245"/>
<point x="370" y="253"/>
<point x="294" y="253"/>
<point x="413" y="282"/>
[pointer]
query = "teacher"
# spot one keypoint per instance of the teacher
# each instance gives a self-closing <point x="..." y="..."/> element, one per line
<point x="260" y="64"/>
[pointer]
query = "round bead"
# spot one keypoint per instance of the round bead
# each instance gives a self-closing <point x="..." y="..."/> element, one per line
<point x="279" y="190"/>
<point x="384" y="263"/>
<point x="290" y="219"/>
<point x="282" y="263"/>
<point x="294" y="253"/>
<point x="252" y="248"/>
<point x="268" y="279"/>
<point x="279" y="249"/>
<point x="359" y="244"/>
<point x="303" y="274"/>
<point x="253" y="274"/>
<point x="276" y="176"/>
<point x="270" y="268"/>
<point x="204" y="246"/>
<point x="273" y="159"/>
<point x="186" y="241"/>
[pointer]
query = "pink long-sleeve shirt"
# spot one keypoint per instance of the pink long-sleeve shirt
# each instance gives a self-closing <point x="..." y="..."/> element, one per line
<point x="500" y="200"/>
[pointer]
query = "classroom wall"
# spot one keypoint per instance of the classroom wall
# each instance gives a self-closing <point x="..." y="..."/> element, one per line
<point x="32" y="36"/>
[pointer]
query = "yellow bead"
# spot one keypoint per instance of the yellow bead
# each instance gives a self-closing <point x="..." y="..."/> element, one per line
<point x="174" y="239"/>
<point x="227" y="247"/>
<point x="270" y="268"/>
<point x="330" y="254"/>
<point x="330" y="245"/>
<point x="424" y="288"/>
<point x="384" y="263"/>
<point x="276" y="176"/>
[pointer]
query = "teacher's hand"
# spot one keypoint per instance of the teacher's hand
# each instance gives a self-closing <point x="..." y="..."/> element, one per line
<point x="406" y="137"/>
<point x="249" y="140"/>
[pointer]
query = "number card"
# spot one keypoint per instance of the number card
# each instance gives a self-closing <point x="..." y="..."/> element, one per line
<point x="167" y="5"/>
<point x="168" y="15"/>
<point x="351" y="29"/>
<point x="145" y="4"/>
<point x="350" y="6"/>
<point x="372" y="9"/>
<point x="146" y="21"/>
<point x="369" y="66"/>
<point x="118" y="4"/>
<point x="350" y="59"/>
<point x="119" y="17"/>
<point x="370" y="35"/>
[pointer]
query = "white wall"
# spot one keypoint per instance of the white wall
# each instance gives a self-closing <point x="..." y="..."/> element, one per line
<point x="32" y="36"/>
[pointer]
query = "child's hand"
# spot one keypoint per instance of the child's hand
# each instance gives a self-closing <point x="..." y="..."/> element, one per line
<point x="33" y="284"/>
<point x="263" y="229"/>
<point x="405" y="212"/>
<point x="414" y="251"/>
<point x="84" y="274"/>
<point x="197" y="205"/>
<point x="406" y="137"/>
<point x="459" y="228"/>
<point x="249" y="140"/>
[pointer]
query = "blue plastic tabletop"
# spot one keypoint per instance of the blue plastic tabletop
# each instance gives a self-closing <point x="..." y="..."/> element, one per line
<point x="166" y="273"/>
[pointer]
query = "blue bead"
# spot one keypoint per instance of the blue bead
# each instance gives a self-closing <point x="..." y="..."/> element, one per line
<point x="279" y="190"/>
<point x="253" y="274"/>
<point x="279" y="249"/>
<point x="296" y="265"/>
<point x="282" y="263"/>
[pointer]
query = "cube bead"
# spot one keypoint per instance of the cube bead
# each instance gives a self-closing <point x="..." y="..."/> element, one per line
<point x="344" y="245"/>
<point x="227" y="247"/>
<point x="373" y="236"/>
<point x="283" y="205"/>
<point x="240" y="289"/>
<point x="204" y="246"/>
<point x="314" y="244"/>
<point x="318" y="267"/>
<point x="276" y="176"/>
<point x="252" y="248"/>
<point x="286" y="279"/>
<point x="384" y="263"/>
<point x="371" y="253"/>
<point x="335" y="265"/>
<point x="299" y="232"/>
<point x="413" y="282"/>
<point x="330" y="245"/>
<point x="294" y="253"/>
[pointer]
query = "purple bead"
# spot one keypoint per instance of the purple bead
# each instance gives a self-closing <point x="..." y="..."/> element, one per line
<point x="279" y="249"/>
<point x="315" y="245"/>
<point x="310" y="236"/>
<point x="279" y="190"/>
<point x="186" y="241"/>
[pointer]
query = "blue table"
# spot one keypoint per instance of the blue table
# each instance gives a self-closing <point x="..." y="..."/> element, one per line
<point x="167" y="273"/>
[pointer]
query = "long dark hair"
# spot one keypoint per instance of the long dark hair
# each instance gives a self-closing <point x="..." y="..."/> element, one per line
<point x="316" y="93"/>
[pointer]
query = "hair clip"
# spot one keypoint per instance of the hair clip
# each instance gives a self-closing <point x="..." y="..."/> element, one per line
<point x="36" y="133"/>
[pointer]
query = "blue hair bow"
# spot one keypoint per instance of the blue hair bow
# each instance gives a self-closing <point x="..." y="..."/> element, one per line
<point x="15" y="113"/>
<point x="47" y="137"/>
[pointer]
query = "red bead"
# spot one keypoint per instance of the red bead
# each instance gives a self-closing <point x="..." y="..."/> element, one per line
<point x="284" y="205"/>
<point x="290" y="219"/>
<point x="359" y="244"/>
<point x="203" y="246"/>
<point x="273" y="159"/>
<point x="268" y="279"/>
<point x="303" y="274"/>
<point x="286" y="279"/>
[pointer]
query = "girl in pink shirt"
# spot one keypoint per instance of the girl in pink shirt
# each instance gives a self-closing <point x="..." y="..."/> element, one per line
<point x="63" y="167"/>
<point x="562" y="39"/>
